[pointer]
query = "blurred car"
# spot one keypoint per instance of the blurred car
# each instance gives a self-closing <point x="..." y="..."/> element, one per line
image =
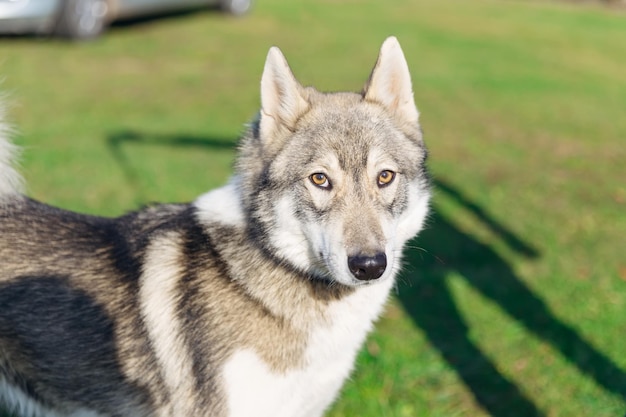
<point x="85" y="19"/>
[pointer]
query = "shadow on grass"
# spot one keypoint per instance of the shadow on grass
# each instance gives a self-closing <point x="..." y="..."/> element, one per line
<point x="429" y="302"/>
<point x="117" y="141"/>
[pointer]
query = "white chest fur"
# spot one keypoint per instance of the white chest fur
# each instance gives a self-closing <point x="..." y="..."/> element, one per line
<point x="254" y="390"/>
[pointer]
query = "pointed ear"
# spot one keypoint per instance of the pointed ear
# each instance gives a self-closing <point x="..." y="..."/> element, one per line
<point x="390" y="83"/>
<point x="282" y="98"/>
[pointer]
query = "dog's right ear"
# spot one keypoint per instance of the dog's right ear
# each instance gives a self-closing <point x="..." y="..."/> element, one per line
<point x="282" y="98"/>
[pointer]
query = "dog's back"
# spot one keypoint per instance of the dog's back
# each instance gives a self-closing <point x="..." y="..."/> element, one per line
<point x="71" y="331"/>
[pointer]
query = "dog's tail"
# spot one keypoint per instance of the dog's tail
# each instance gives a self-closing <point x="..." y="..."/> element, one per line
<point x="10" y="180"/>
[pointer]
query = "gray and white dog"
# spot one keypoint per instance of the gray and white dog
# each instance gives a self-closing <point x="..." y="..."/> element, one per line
<point x="251" y="301"/>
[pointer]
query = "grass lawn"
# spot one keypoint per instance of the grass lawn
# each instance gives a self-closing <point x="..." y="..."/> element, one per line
<point x="513" y="302"/>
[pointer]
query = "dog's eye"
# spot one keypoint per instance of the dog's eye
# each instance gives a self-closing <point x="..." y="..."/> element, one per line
<point x="386" y="177"/>
<point x="320" y="180"/>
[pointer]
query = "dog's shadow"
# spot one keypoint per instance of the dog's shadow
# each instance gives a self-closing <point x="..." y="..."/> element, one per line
<point x="427" y="297"/>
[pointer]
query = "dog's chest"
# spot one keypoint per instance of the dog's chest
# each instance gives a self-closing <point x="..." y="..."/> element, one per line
<point x="254" y="389"/>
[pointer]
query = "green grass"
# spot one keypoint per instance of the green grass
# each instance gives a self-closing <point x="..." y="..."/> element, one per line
<point x="514" y="299"/>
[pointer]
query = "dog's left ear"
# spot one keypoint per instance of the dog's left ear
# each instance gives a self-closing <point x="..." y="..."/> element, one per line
<point x="390" y="83"/>
<point x="282" y="96"/>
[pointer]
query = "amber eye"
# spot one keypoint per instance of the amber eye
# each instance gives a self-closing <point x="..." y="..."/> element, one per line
<point x="385" y="177"/>
<point x="320" y="180"/>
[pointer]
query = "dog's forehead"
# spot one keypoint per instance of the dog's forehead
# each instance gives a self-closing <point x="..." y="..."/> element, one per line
<point x="350" y="129"/>
<point x="337" y="120"/>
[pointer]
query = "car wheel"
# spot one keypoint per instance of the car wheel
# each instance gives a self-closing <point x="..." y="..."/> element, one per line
<point x="82" y="19"/>
<point x="235" y="7"/>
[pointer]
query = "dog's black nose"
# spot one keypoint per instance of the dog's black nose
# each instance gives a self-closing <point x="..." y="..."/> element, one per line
<point x="367" y="268"/>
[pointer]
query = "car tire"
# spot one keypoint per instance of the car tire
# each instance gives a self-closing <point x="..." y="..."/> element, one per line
<point x="81" y="19"/>
<point x="235" y="7"/>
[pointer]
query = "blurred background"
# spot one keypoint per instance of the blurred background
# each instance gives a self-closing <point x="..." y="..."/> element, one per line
<point x="513" y="300"/>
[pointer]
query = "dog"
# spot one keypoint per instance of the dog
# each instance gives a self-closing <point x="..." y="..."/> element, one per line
<point x="254" y="299"/>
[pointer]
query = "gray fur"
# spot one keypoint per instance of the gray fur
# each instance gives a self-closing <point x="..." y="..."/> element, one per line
<point x="144" y="315"/>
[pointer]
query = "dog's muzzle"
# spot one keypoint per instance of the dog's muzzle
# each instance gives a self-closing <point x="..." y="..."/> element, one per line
<point x="367" y="268"/>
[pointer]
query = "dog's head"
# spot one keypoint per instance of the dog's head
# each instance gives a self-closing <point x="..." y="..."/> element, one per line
<point x="335" y="184"/>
